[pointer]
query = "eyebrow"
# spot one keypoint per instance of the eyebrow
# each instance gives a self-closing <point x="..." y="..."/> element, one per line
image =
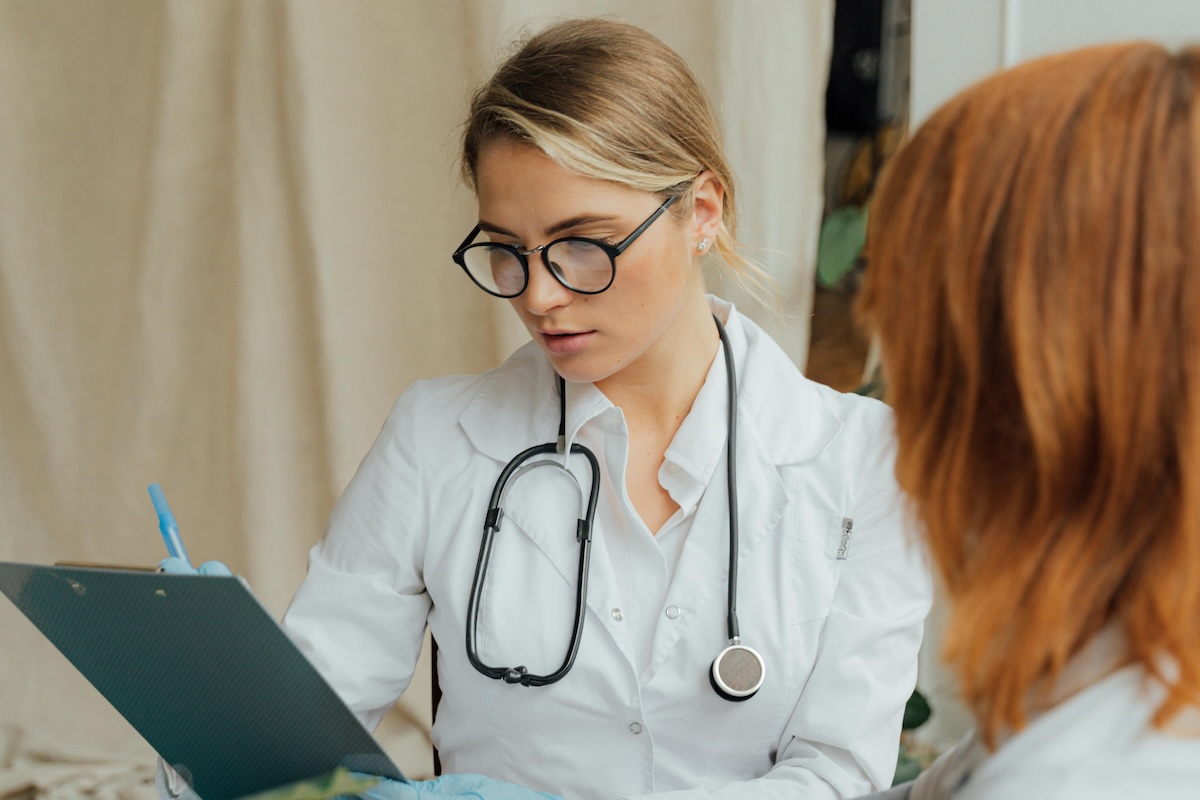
<point x="558" y="227"/>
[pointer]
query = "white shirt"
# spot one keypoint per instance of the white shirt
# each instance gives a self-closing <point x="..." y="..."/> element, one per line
<point x="644" y="562"/>
<point x="836" y="609"/>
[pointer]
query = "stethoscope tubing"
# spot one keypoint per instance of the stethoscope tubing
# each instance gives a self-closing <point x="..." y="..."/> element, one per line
<point x="495" y="515"/>
<point x="731" y="480"/>
<point x="583" y="534"/>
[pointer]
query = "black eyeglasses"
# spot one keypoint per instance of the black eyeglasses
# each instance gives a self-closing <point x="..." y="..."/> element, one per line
<point x="582" y="265"/>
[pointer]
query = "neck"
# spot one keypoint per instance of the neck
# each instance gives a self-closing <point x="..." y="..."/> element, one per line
<point x="657" y="391"/>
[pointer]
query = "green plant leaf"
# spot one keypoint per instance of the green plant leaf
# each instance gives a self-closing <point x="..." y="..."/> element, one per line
<point x="916" y="711"/>
<point x="339" y="783"/>
<point x="843" y="236"/>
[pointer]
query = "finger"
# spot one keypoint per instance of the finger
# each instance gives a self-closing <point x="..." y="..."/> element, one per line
<point x="214" y="568"/>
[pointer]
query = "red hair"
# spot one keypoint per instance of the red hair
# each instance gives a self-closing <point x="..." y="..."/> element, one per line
<point x="1034" y="279"/>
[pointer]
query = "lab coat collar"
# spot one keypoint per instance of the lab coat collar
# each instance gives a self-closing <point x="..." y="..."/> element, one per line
<point x="773" y="395"/>
<point x="517" y="407"/>
<point x="517" y="404"/>
<point x="700" y="441"/>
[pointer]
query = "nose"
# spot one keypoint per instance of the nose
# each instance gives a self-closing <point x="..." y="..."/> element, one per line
<point x="544" y="293"/>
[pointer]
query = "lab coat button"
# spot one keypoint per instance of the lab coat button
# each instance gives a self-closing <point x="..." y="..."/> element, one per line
<point x="635" y="728"/>
<point x="617" y="614"/>
<point x="672" y="612"/>
<point x="673" y="468"/>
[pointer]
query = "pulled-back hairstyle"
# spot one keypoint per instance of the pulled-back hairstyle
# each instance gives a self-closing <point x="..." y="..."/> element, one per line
<point x="1034" y="279"/>
<point x="607" y="100"/>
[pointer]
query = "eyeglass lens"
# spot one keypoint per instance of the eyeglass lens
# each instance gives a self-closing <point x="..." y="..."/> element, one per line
<point x="578" y="264"/>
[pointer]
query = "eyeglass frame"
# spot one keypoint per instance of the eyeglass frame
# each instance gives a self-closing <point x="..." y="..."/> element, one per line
<point x="612" y="250"/>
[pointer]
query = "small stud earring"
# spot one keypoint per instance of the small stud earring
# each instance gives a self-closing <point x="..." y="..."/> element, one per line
<point x="703" y="244"/>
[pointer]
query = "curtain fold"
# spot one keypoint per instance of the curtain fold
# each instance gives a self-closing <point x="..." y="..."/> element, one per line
<point x="224" y="251"/>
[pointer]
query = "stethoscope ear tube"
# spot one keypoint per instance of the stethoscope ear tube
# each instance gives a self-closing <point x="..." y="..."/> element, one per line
<point x="492" y="522"/>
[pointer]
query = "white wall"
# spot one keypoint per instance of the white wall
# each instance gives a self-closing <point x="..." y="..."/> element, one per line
<point x="957" y="42"/>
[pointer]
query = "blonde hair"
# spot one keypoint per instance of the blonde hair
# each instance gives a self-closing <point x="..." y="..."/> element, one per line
<point x="607" y="100"/>
<point x="1034" y="277"/>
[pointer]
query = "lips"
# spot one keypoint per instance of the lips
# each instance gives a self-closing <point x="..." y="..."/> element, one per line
<point x="565" y="342"/>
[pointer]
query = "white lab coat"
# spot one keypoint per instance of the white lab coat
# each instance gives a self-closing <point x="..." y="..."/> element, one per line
<point x="1096" y="743"/>
<point x="837" y="618"/>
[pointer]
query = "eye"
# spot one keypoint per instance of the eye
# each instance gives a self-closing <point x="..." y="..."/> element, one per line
<point x="603" y="236"/>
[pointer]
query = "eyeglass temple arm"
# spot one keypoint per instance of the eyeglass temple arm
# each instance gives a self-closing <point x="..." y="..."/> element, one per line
<point x="470" y="236"/>
<point x="620" y="248"/>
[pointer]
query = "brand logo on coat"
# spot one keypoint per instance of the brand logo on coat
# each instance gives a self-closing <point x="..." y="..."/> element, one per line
<point x="844" y="544"/>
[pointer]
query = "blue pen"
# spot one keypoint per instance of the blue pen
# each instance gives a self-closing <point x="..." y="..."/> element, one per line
<point x="166" y="524"/>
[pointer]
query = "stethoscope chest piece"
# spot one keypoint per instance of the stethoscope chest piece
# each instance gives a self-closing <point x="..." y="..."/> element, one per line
<point x="737" y="672"/>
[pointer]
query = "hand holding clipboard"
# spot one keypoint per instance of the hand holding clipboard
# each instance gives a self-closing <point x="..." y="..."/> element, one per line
<point x="201" y="670"/>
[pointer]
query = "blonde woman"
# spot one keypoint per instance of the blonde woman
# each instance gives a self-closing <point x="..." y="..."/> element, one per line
<point x="696" y="584"/>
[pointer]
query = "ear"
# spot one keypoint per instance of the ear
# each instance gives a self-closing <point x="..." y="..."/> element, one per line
<point x="708" y="211"/>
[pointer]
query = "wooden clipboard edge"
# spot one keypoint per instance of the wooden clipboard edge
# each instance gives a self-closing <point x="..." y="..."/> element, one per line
<point x="96" y="565"/>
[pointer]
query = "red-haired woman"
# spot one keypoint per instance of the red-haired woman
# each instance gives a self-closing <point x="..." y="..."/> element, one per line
<point x="1034" y="277"/>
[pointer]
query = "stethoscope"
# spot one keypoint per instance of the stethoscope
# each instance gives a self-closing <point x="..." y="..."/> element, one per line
<point x="736" y="673"/>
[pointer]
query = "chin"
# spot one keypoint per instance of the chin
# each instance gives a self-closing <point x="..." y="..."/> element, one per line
<point x="572" y="373"/>
<point x="576" y="369"/>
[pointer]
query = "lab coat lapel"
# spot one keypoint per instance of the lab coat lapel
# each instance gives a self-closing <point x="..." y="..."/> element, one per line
<point x="550" y="522"/>
<point x="782" y="420"/>
<point x="703" y="570"/>
<point x="517" y="408"/>
<point x="584" y="404"/>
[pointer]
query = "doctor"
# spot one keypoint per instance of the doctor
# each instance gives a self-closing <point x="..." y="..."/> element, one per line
<point x="596" y="161"/>
<point x="601" y="184"/>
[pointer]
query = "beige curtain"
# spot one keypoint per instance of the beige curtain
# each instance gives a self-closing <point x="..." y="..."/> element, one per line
<point x="224" y="238"/>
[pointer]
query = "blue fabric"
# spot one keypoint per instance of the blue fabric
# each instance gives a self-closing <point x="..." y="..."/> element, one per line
<point x="447" y="786"/>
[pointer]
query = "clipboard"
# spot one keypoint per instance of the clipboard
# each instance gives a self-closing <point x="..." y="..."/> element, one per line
<point x="202" y="671"/>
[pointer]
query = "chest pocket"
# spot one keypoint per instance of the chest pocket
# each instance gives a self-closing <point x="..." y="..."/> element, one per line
<point x="815" y="564"/>
<point x="527" y="606"/>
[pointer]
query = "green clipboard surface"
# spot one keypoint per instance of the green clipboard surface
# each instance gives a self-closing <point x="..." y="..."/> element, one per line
<point x="202" y="671"/>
